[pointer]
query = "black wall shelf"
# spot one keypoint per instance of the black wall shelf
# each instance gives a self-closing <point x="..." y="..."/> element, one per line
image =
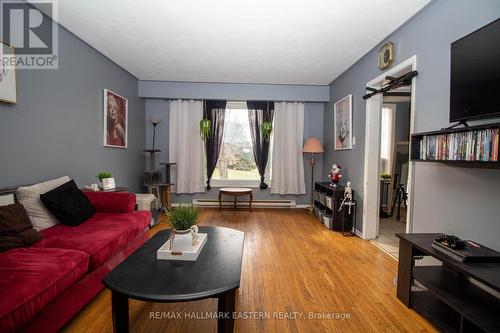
<point x="418" y="137"/>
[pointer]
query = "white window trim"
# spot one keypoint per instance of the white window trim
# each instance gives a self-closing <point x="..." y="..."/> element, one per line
<point x="234" y="183"/>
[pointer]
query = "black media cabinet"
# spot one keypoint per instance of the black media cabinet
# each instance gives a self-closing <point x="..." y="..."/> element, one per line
<point x="327" y="201"/>
<point x="450" y="301"/>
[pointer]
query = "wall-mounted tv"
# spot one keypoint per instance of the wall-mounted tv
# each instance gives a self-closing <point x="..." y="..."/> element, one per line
<point x="475" y="75"/>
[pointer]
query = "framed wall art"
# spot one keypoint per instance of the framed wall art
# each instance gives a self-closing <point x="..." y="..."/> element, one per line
<point x="342" y="114"/>
<point x="115" y="120"/>
<point x="8" y="86"/>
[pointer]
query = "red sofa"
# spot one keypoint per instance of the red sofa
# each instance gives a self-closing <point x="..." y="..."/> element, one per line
<point x="43" y="286"/>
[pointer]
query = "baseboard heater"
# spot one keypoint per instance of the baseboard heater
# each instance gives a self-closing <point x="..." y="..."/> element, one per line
<point x="255" y="203"/>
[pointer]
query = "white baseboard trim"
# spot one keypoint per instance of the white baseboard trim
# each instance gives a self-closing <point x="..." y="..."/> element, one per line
<point x="273" y="204"/>
<point x="383" y="250"/>
<point x="302" y="206"/>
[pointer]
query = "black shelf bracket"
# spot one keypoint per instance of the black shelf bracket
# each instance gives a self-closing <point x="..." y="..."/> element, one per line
<point x="461" y="122"/>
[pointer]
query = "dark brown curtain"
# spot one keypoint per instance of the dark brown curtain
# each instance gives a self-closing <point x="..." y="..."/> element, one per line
<point x="258" y="113"/>
<point x="215" y="112"/>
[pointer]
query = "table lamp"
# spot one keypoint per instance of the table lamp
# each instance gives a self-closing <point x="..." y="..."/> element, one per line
<point x="312" y="146"/>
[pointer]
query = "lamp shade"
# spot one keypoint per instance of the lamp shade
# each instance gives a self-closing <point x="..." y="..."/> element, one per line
<point x="155" y="120"/>
<point x="313" y="145"/>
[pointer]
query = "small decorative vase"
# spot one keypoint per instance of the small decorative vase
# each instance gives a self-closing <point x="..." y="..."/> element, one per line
<point x="183" y="240"/>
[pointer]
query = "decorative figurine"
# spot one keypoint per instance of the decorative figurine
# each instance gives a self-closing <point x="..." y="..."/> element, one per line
<point x="348" y="191"/>
<point x="347" y="198"/>
<point x="335" y="174"/>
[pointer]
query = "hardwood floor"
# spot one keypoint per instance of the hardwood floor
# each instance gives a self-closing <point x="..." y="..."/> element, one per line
<point x="292" y="266"/>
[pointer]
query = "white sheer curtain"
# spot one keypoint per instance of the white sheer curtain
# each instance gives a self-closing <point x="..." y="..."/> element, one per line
<point x="287" y="162"/>
<point x="185" y="146"/>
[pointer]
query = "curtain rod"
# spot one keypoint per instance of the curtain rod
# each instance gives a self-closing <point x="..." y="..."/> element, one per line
<point x="239" y="101"/>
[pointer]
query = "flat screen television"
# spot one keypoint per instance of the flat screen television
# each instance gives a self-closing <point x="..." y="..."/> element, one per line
<point x="475" y="75"/>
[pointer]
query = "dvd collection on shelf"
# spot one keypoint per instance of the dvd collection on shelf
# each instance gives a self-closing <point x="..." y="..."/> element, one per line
<point x="476" y="145"/>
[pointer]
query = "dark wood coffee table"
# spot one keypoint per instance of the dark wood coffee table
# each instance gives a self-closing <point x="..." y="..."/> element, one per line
<point x="215" y="274"/>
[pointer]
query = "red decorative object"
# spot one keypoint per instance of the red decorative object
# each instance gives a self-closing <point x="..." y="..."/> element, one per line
<point x="335" y="174"/>
<point x="112" y="202"/>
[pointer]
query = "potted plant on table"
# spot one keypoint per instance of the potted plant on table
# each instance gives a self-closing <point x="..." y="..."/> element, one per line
<point x="107" y="180"/>
<point x="184" y="220"/>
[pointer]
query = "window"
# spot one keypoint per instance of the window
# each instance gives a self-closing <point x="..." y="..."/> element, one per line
<point x="236" y="164"/>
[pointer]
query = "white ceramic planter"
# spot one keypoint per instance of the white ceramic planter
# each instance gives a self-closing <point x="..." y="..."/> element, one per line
<point x="183" y="239"/>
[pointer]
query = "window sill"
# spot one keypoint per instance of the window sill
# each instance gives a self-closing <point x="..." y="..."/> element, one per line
<point x="218" y="183"/>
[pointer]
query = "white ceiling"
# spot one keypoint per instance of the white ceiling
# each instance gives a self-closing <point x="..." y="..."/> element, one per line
<point x="258" y="41"/>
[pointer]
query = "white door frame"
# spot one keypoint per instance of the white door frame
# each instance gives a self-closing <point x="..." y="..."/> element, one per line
<point x="371" y="186"/>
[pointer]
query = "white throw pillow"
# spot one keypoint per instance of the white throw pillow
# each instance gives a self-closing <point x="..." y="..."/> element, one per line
<point x="29" y="197"/>
<point x="6" y="199"/>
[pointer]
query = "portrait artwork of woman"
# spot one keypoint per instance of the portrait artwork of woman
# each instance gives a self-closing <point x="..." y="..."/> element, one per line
<point x="343" y="123"/>
<point x="115" y="120"/>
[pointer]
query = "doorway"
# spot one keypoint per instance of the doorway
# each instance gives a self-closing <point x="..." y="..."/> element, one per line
<point x="372" y="161"/>
<point x="394" y="158"/>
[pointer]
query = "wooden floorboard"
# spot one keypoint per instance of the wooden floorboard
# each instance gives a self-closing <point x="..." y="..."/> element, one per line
<point x="291" y="265"/>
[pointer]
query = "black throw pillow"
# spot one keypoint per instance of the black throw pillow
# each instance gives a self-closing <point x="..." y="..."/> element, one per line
<point x="68" y="204"/>
<point x="16" y="229"/>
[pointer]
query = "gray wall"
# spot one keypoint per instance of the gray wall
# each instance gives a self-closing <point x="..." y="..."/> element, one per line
<point x="237" y="91"/>
<point x="313" y="126"/>
<point x="446" y="199"/>
<point x="56" y="127"/>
